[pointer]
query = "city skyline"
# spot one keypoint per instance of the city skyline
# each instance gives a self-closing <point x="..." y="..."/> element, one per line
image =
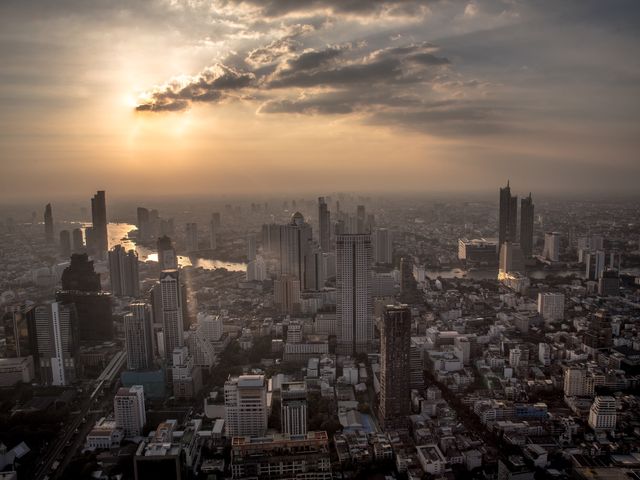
<point x="251" y="97"/>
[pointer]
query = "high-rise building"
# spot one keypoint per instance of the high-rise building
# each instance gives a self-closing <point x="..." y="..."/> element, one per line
<point x="215" y="218"/>
<point x="595" y="264"/>
<point x="186" y="376"/>
<point x="354" y="308"/>
<point x="609" y="283"/>
<point x="129" y="410"/>
<point x="251" y="247"/>
<point x="361" y="219"/>
<point x="167" y="258"/>
<point x="395" y="367"/>
<point x="20" y="336"/>
<point x="293" y="405"/>
<point x="314" y="268"/>
<point x="123" y="272"/>
<point x="324" y="225"/>
<point x="138" y="337"/>
<point x="65" y="244"/>
<point x="295" y="245"/>
<point x="81" y="275"/>
<point x="78" y="240"/>
<point x="58" y="344"/>
<point x="172" y="312"/>
<point x="99" y="232"/>
<point x="143" y="224"/>
<point x="602" y="415"/>
<point x="551" y="249"/>
<point x="81" y="286"/>
<point x="271" y="239"/>
<point x="382" y="246"/>
<point x="511" y="258"/>
<point x="256" y="270"/>
<point x="213" y="234"/>
<point x="286" y="292"/>
<point x="551" y="306"/>
<point x="191" y="237"/>
<point x="526" y="226"/>
<point x="600" y="333"/>
<point x="508" y="216"/>
<point x="245" y="401"/>
<point x="48" y="224"/>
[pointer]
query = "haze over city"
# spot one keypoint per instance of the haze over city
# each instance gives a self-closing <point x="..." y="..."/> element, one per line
<point x="228" y="97"/>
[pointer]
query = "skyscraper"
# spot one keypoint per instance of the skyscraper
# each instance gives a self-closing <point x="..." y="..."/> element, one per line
<point x="286" y="291"/>
<point x="81" y="275"/>
<point x="99" y="223"/>
<point x="138" y="337"/>
<point x="293" y="408"/>
<point x="172" y="312"/>
<point x="251" y="247"/>
<point x="295" y="245"/>
<point x="526" y="226"/>
<point x="354" y="310"/>
<point x="144" y="233"/>
<point x="395" y="367"/>
<point x="167" y="258"/>
<point x="48" y="224"/>
<point x="213" y="233"/>
<point x="382" y="250"/>
<point x="123" y="272"/>
<point x="65" y="244"/>
<point x="78" y="240"/>
<point x="508" y="217"/>
<point x="57" y="342"/>
<point x="19" y="324"/>
<point x="551" y="249"/>
<point x="191" y="237"/>
<point x="361" y="218"/>
<point x="324" y="220"/>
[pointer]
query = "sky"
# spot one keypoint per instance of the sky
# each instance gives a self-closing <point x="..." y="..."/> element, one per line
<point x="163" y="97"/>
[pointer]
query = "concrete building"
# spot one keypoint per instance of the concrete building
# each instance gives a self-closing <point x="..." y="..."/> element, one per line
<point x="129" y="410"/>
<point x="551" y="250"/>
<point x="551" y="306"/>
<point x="58" y="343"/>
<point x="602" y="415"/>
<point x="172" y="312"/>
<point x="245" y="400"/>
<point x="16" y="370"/>
<point x="138" y="336"/>
<point x="293" y="405"/>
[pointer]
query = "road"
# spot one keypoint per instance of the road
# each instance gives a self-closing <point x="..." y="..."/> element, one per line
<point x="72" y="438"/>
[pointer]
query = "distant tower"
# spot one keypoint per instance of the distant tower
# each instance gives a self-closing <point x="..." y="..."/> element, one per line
<point x="295" y="245"/>
<point x="551" y="249"/>
<point x="99" y="221"/>
<point x="172" y="312"/>
<point x="286" y="291"/>
<point x="395" y="367"/>
<point x="48" y="224"/>
<point x="526" y="226"/>
<point x="123" y="272"/>
<point x="508" y="217"/>
<point x="251" y="247"/>
<point x="138" y="337"/>
<point x="324" y="220"/>
<point x="78" y="240"/>
<point x="192" y="237"/>
<point x="144" y="232"/>
<point x="65" y="244"/>
<point x="167" y="258"/>
<point x="213" y="232"/>
<point x="382" y="246"/>
<point x="361" y="218"/>
<point x="354" y="310"/>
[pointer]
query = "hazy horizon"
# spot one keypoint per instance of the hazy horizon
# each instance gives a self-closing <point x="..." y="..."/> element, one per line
<point x="234" y="97"/>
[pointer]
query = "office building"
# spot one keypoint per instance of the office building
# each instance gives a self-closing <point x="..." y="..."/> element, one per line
<point x="600" y="334"/>
<point x="609" y="283"/>
<point x="271" y="239"/>
<point x="314" y="268"/>
<point x="382" y="246"/>
<point x="65" y="244"/>
<point x="511" y="259"/>
<point x="186" y="376"/>
<point x="324" y="225"/>
<point x="143" y="224"/>
<point x="81" y="275"/>
<point x="214" y="225"/>
<point x="172" y="312"/>
<point x="245" y="401"/>
<point x="256" y="270"/>
<point x="551" y="249"/>
<point x="395" y="367"/>
<point x="602" y="414"/>
<point x="99" y="233"/>
<point x="595" y="264"/>
<point x="16" y="370"/>
<point x="295" y="246"/>
<point x="58" y="345"/>
<point x="293" y="408"/>
<point x="191" y="237"/>
<point x="129" y="410"/>
<point x="139" y="337"/>
<point x="123" y="272"/>
<point x="551" y="306"/>
<point x="478" y="251"/>
<point x="526" y="226"/>
<point x="251" y="247"/>
<point x="286" y="291"/>
<point x="354" y="308"/>
<point x="48" y="224"/>
<point x="361" y="219"/>
<point x="167" y="258"/>
<point x="281" y="457"/>
<point x="508" y="216"/>
<point x="78" y="240"/>
<point x="20" y="336"/>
